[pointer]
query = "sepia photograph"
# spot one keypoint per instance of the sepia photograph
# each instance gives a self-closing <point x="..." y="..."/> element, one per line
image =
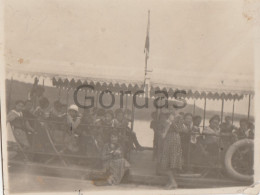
<point x="106" y="96"/>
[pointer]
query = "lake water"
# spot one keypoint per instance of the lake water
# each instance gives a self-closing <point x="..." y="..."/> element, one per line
<point x="145" y="134"/>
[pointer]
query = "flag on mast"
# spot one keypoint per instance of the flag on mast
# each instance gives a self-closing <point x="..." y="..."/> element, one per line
<point x="147" y="40"/>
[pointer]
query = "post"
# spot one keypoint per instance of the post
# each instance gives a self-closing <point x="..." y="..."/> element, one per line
<point x="59" y="94"/>
<point x="233" y="110"/>
<point x="67" y="100"/>
<point x="204" y="113"/>
<point x="126" y="100"/>
<point x="97" y="98"/>
<point x="222" y="110"/>
<point x="249" y="105"/>
<point x="194" y="107"/>
<point x="133" y="115"/>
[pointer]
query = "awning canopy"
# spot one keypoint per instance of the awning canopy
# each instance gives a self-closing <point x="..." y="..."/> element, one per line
<point x="194" y="87"/>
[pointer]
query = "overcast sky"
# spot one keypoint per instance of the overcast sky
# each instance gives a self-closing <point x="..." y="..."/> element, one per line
<point x="197" y="36"/>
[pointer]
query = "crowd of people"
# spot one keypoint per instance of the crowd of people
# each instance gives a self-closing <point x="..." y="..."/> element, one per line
<point x="180" y="139"/>
<point x="95" y="132"/>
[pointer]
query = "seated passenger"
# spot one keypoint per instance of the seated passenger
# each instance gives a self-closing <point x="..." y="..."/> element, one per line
<point x="243" y="131"/>
<point x="107" y="124"/>
<point x="185" y="137"/>
<point x="98" y="128"/>
<point x="73" y="121"/>
<point x="196" y="130"/>
<point x="41" y="111"/>
<point x="119" y="123"/>
<point x="56" y="112"/>
<point x="212" y="133"/>
<point x="227" y="127"/>
<point x="16" y="120"/>
<point x="114" y="162"/>
<point x="29" y="120"/>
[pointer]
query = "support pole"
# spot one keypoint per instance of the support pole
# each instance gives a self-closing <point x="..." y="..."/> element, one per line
<point x="204" y="113"/>
<point x="133" y="115"/>
<point x="249" y="105"/>
<point x="126" y="100"/>
<point x="222" y="111"/>
<point x="97" y="98"/>
<point x="194" y="107"/>
<point x="233" y="110"/>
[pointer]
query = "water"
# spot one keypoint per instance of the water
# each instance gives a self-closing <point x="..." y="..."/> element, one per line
<point x="145" y="134"/>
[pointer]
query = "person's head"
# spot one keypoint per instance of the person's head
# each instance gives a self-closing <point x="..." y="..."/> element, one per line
<point x="214" y="122"/>
<point x="19" y="105"/>
<point x="113" y="138"/>
<point x="119" y="114"/>
<point x="188" y="119"/>
<point x="109" y="115"/>
<point x="73" y="111"/>
<point x="57" y="105"/>
<point x="28" y="105"/>
<point x="228" y="120"/>
<point x="100" y="113"/>
<point x="243" y="124"/>
<point x="197" y="120"/>
<point x="128" y="114"/>
<point x="44" y="103"/>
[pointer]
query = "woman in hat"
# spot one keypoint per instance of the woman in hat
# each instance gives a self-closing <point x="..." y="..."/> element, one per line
<point x="73" y="121"/>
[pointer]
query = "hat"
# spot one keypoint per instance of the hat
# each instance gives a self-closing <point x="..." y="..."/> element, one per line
<point x="74" y="107"/>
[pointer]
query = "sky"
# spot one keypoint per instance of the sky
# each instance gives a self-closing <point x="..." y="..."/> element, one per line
<point x="107" y="37"/>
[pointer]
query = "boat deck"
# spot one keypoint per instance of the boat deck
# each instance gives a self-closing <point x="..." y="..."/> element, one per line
<point x="142" y="171"/>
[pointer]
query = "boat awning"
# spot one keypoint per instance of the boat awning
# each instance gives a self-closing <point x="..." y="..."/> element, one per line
<point x="195" y="87"/>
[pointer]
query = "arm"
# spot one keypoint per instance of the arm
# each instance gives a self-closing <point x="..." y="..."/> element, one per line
<point x="28" y="126"/>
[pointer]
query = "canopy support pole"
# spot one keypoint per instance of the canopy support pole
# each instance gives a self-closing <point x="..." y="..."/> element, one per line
<point x="126" y="100"/>
<point x="67" y="100"/>
<point x="249" y="105"/>
<point x="194" y="108"/>
<point x="204" y="113"/>
<point x="222" y="110"/>
<point x="133" y="115"/>
<point x="233" y="110"/>
<point x="97" y="98"/>
<point x="59" y="94"/>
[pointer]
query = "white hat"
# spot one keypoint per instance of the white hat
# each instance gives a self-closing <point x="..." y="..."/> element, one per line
<point x="74" y="107"/>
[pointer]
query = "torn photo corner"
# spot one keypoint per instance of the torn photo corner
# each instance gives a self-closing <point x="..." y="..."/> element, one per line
<point x="129" y="96"/>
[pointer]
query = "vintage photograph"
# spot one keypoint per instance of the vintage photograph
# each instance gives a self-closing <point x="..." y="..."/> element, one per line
<point x="128" y="95"/>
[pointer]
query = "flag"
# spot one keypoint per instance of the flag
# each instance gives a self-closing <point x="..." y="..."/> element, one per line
<point x="147" y="40"/>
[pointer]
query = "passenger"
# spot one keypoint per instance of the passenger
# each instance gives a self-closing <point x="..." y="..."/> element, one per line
<point x="114" y="162"/>
<point x="73" y="121"/>
<point x="29" y="120"/>
<point x="107" y="124"/>
<point x="36" y="93"/>
<point x="212" y="133"/>
<point x="86" y="139"/>
<point x="57" y="113"/>
<point x="154" y="127"/>
<point x="226" y="127"/>
<point x="16" y="120"/>
<point x="196" y="130"/>
<point x="171" y="160"/>
<point x="41" y="111"/>
<point x="185" y="137"/>
<point x="131" y="137"/>
<point x="243" y="131"/>
<point x="119" y="123"/>
<point x="98" y="128"/>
